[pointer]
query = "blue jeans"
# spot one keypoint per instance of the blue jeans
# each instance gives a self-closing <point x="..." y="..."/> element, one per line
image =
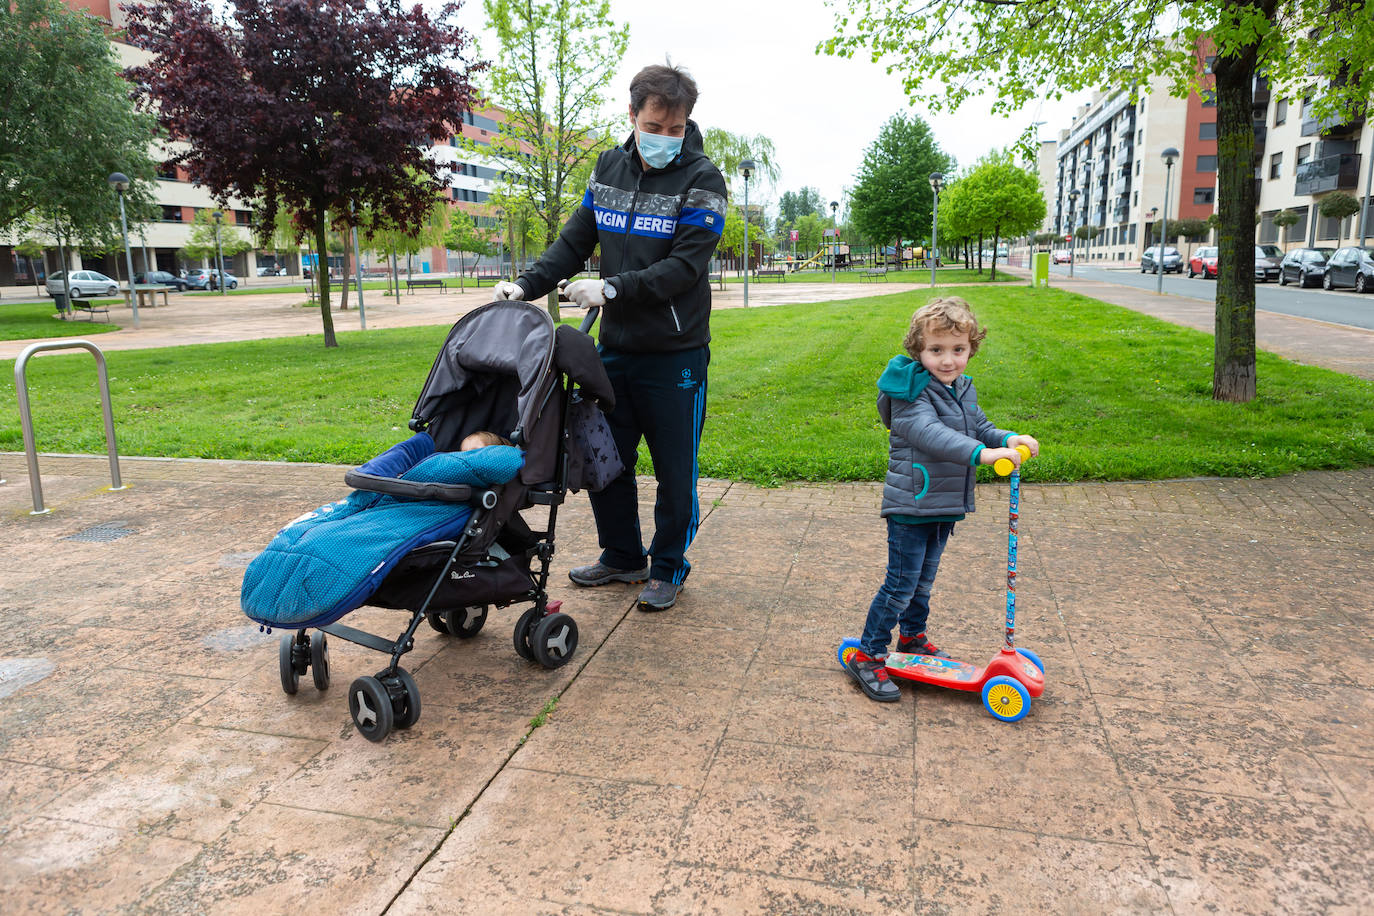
<point x="913" y="559"/>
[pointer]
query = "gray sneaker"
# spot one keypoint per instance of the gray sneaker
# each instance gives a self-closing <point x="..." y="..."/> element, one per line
<point x="658" y="596"/>
<point x="599" y="573"/>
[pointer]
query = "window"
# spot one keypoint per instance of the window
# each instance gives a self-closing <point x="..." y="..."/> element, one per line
<point x="1276" y="165"/>
<point x="1204" y="195"/>
<point x="1304" y="153"/>
<point x="1140" y="136"/>
<point x="1137" y="166"/>
<point x="1135" y="199"/>
<point x="1299" y="229"/>
<point x="167" y="171"/>
<point x="1210" y="60"/>
<point x="1207" y="130"/>
<point x="1132" y="241"/>
<point x="1206" y="163"/>
<point x="1209" y="98"/>
<point x="171" y="214"/>
<point x="1280" y="112"/>
<point x="243" y="217"/>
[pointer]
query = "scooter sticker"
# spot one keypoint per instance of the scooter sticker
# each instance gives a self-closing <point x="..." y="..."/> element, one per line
<point x="945" y="668"/>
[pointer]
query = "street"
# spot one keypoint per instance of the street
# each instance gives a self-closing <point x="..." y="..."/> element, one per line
<point x="1338" y="306"/>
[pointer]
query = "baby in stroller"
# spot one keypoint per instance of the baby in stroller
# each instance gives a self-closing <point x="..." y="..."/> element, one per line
<point x="433" y="525"/>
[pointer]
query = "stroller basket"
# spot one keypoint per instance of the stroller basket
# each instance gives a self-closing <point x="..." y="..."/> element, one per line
<point x="435" y="530"/>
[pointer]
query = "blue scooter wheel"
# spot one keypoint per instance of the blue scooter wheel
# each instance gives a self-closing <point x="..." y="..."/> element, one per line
<point x="1034" y="659"/>
<point x="1006" y="699"/>
<point x="846" y="646"/>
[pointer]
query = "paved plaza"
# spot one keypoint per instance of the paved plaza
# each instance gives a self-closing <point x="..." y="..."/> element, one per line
<point x="1205" y="742"/>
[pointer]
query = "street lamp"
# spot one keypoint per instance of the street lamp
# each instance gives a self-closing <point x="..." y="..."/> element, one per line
<point x="120" y="182"/>
<point x="937" y="181"/>
<point x="219" y="254"/>
<point x="1073" y="219"/>
<point x="1169" y="155"/>
<point x="746" y="168"/>
<point x="835" y="254"/>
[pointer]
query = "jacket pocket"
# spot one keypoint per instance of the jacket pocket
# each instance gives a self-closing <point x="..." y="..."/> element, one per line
<point x="918" y="470"/>
<point x="672" y="310"/>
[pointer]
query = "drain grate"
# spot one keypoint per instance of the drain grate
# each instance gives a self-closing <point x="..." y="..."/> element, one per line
<point x="100" y="534"/>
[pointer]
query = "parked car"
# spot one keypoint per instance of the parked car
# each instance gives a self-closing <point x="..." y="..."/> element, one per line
<point x="1062" y="256"/>
<point x="276" y="271"/>
<point x="1267" y="258"/>
<point x="1304" y="266"/>
<point x="1203" y="263"/>
<point x="203" y="278"/>
<point x="161" y="278"/>
<point x="83" y="285"/>
<point x="1350" y="266"/>
<point x="1172" y="261"/>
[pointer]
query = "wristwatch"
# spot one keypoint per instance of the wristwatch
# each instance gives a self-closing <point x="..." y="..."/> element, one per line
<point x="608" y="289"/>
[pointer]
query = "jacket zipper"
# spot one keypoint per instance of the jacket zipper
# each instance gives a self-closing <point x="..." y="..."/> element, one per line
<point x="672" y="309"/>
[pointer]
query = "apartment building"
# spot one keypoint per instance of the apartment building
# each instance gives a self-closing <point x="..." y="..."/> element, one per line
<point x="1303" y="160"/>
<point x="1110" y="173"/>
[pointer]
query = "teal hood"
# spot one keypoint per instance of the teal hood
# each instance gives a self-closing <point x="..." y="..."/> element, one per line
<point x="904" y="378"/>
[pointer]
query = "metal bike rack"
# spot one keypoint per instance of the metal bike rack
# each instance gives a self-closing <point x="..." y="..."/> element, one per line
<point x="21" y="387"/>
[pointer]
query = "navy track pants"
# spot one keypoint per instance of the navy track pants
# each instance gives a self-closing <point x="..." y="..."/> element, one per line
<point x="661" y="399"/>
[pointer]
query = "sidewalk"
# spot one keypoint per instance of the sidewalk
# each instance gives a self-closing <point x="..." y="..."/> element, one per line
<point x="1205" y="741"/>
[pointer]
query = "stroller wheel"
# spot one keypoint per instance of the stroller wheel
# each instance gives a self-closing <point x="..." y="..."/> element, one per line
<point x="436" y="623"/>
<point x="290" y="677"/>
<point x="465" y="622"/>
<point x="554" y="640"/>
<point x="405" y="698"/>
<point x="370" y="705"/>
<point x="319" y="660"/>
<point x="524" y="630"/>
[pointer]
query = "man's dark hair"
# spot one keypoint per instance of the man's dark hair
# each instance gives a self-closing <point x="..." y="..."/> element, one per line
<point x="672" y="87"/>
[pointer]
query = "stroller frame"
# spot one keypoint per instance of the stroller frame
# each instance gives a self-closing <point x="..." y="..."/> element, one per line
<point x="390" y="699"/>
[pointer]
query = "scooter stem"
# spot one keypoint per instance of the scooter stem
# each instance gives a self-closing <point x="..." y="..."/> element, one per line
<point x="1013" y="513"/>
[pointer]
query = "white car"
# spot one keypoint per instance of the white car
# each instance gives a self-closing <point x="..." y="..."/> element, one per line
<point x="84" y="284"/>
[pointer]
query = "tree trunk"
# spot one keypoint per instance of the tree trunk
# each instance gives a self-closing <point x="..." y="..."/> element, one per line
<point x="322" y="274"/>
<point x="1233" y="366"/>
<point x="343" y="298"/>
<point x="980" y="250"/>
<point x="996" y="236"/>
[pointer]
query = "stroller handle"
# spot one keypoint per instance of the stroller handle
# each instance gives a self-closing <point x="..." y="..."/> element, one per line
<point x="590" y="319"/>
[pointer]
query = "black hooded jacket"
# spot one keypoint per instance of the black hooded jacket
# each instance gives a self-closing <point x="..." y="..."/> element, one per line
<point x="657" y="230"/>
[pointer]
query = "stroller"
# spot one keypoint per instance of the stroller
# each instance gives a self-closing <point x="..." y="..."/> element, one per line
<point x="438" y="531"/>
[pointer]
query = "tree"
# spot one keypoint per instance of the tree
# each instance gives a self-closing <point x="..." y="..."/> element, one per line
<point x="810" y="230"/>
<point x="999" y="197"/>
<point x="792" y="206"/>
<point x="33" y="250"/>
<point x="200" y="244"/>
<point x="1283" y="220"/>
<point x="557" y="59"/>
<point x="462" y="235"/>
<point x="892" y="198"/>
<point x="1339" y="205"/>
<point x="728" y="150"/>
<point x="318" y="106"/>
<point x="1045" y="239"/>
<point x="66" y="124"/>
<point x="1025" y="49"/>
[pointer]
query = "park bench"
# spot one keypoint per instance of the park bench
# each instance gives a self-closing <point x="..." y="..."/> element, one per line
<point x="873" y="274"/>
<point x="412" y="285"/>
<point x="147" y="295"/>
<point x="770" y="274"/>
<point x="487" y="275"/>
<point x="90" y="307"/>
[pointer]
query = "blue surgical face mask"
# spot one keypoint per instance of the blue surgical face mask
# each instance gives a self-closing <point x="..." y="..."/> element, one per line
<point x="656" y="149"/>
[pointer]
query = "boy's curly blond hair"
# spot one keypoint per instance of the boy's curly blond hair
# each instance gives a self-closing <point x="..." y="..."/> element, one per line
<point x="947" y="314"/>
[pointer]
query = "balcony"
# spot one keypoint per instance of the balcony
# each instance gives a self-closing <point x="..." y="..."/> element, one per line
<point x="1260" y="100"/>
<point x="1121" y="214"/>
<point x="1334" y="124"/>
<point x="1123" y="185"/>
<point x="1261" y="133"/>
<point x="1330" y="173"/>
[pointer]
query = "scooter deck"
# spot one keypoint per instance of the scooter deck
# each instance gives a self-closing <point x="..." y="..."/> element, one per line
<point x="947" y="672"/>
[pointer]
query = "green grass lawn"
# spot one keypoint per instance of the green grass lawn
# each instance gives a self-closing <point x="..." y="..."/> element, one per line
<point x="24" y="321"/>
<point x="942" y="276"/>
<point x="1110" y="394"/>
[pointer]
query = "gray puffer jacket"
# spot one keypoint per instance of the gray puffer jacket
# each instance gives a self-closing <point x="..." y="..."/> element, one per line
<point x="935" y="439"/>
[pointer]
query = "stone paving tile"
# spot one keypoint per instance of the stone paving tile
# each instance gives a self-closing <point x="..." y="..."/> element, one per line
<point x="283" y="859"/>
<point x="52" y="866"/>
<point x="598" y="842"/>
<point x="1004" y="867"/>
<point x="705" y="891"/>
<point x="802" y="811"/>
<point x="1291" y="857"/>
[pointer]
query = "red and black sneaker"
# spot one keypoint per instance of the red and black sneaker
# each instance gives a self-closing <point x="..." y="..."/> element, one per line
<point x="919" y="644"/>
<point x="871" y="673"/>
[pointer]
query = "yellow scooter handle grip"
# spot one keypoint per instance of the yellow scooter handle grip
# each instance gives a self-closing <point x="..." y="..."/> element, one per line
<point x="1004" y="467"/>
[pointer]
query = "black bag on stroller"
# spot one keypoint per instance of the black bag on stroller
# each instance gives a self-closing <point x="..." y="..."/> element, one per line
<point x="504" y="368"/>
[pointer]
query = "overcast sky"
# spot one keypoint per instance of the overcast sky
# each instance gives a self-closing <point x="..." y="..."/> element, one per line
<point x="755" y="63"/>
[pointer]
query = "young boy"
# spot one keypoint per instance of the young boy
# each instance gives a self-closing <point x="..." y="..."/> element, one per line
<point x="939" y="437"/>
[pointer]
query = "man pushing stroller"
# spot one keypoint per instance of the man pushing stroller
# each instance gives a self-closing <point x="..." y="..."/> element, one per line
<point x="656" y="206"/>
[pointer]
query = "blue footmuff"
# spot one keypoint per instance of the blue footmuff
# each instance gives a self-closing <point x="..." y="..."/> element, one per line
<point x="328" y="562"/>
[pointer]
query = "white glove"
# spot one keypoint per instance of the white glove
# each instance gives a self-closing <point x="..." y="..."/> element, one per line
<point x="505" y="290"/>
<point x="586" y="293"/>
